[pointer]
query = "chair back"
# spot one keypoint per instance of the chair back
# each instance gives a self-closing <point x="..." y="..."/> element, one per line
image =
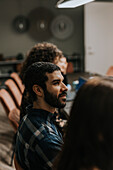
<point x="7" y="100"/>
<point x="17" y="166"/>
<point x="18" y="80"/>
<point x="110" y="71"/>
<point x="17" y="95"/>
<point x="8" y="105"/>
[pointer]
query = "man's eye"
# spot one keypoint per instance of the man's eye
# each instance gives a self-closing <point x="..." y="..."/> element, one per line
<point x="56" y="83"/>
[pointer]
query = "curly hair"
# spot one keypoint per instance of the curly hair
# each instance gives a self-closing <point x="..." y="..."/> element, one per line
<point x="46" y="52"/>
<point x="36" y="74"/>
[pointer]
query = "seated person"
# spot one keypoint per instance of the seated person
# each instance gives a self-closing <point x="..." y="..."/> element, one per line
<point x="38" y="138"/>
<point x="46" y="52"/>
<point x="88" y="144"/>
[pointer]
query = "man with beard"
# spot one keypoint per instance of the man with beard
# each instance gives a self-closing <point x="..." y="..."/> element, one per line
<point x="38" y="138"/>
<point x="43" y="52"/>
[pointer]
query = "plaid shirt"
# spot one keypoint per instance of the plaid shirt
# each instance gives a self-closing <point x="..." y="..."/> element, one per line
<point x="38" y="140"/>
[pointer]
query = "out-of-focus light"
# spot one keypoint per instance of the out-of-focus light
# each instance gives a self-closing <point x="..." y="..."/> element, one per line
<point x="71" y="3"/>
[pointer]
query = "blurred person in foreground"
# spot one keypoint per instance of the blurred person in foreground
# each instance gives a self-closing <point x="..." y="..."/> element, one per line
<point x="38" y="138"/>
<point x="88" y="144"/>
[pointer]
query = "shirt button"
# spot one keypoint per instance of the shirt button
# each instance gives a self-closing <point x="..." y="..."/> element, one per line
<point x="27" y="146"/>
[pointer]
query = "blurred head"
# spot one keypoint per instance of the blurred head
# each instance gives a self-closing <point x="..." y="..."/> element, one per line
<point x="46" y="52"/>
<point x="89" y="138"/>
<point x="44" y="79"/>
<point x="62" y="63"/>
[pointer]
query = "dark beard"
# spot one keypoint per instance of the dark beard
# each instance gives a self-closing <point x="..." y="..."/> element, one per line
<point x="52" y="100"/>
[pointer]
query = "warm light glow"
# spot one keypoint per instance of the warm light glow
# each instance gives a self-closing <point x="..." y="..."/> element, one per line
<point x="72" y="3"/>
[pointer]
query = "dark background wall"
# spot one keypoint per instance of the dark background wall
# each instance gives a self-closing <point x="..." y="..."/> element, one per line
<point x="68" y="35"/>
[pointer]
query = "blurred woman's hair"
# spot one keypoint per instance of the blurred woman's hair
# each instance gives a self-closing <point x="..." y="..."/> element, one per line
<point x="88" y="143"/>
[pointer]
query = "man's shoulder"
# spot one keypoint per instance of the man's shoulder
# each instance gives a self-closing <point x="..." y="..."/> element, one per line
<point x="35" y="126"/>
<point x="28" y="123"/>
<point x="38" y="128"/>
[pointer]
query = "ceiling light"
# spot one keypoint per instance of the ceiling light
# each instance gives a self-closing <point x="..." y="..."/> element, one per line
<point x="71" y="3"/>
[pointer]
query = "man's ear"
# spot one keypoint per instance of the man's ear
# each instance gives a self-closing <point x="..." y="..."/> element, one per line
<point x="38" y="90"/>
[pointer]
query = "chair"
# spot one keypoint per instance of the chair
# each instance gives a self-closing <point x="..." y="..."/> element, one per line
<point x="110" y="71"/>
<point x="14" y="115"/>
<point x="17" y="166"/>
<point x="12" y="112"/>
<point x="17" y="79"/>
<point x="17" y="95"/>
<point x="10" y="108"/>
<point x="70" y="67"/>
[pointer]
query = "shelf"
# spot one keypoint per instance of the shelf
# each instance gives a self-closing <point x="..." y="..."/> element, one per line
<point x="3" y="63"/>
<point x="5" y="75"/>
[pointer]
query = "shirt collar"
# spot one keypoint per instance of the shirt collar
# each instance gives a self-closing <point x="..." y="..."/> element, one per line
<point x="41" y="113"/>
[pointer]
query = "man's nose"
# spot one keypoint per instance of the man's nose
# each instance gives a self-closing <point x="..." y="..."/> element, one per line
<point x="64" y="87"/>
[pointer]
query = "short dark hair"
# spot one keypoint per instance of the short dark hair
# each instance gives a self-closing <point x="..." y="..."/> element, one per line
<point x="36" y="74"/>
<point x="89" y="138"/>
<point x="41" y="52"/>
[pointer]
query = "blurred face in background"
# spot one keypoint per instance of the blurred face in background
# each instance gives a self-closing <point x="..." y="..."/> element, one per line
<point x="62" y="63"/>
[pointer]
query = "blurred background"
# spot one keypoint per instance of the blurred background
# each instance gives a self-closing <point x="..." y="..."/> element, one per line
<point x="84" y="34"/>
